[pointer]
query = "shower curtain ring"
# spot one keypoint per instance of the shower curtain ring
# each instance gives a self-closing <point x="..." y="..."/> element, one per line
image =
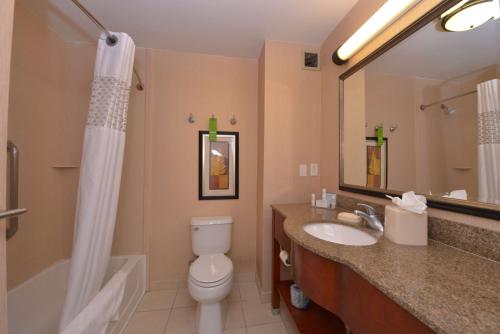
<point x="111" y="40"/>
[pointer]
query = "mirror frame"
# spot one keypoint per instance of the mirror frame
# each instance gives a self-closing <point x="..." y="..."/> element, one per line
<point x="470" y="208"/>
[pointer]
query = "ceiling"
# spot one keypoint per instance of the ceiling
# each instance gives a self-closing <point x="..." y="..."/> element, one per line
<point x="434" y="54"/>
<point x="221" y="27"/>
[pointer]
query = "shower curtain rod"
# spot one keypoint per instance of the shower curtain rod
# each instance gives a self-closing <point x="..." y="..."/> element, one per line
<point x="425" y="106"/>
<point x="110" y="38"/>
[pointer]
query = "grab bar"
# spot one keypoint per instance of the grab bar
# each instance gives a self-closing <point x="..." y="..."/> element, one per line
<point x="13" y="213"/>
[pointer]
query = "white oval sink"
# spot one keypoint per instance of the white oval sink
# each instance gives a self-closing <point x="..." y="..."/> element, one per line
<point x="340" y="234"/>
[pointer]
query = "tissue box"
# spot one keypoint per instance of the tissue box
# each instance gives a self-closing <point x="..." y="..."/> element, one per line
<point x="405" y="227"/>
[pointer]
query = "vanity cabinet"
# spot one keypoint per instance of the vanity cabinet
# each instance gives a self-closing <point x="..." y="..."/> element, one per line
<point x="337" y="293"/>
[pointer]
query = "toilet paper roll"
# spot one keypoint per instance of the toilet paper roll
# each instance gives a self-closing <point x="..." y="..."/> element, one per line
<point x="284" y="258"/>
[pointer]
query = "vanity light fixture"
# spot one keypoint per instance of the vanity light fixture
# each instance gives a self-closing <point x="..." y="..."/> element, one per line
<point x="382" y="18"/>
<point x="470" y="14"/>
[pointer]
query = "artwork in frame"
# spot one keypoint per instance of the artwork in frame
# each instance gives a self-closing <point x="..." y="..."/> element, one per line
<point x="218" y="166"/>
<point x="376" y="163"/>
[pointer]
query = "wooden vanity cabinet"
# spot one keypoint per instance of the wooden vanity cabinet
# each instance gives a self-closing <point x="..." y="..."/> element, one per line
<point x="319" y="279"/>
<point x="339" y="291"/>
<point x="365" y="309"/>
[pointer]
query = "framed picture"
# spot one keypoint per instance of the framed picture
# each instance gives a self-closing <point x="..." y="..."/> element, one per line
<point x="376" y="163"/>
<point x="218" y="166"/>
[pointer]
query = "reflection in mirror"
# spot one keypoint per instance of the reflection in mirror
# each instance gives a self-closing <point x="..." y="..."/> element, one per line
<point x="425" y="116"/>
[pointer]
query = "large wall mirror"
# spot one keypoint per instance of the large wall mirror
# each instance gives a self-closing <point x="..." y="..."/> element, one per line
<point x="422" y="113"/>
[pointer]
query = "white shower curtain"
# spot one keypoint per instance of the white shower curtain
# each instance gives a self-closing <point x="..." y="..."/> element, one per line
<point x="489" y="141"/>
<point x="100" y="174"/>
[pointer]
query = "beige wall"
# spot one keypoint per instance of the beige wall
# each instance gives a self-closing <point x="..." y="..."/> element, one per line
<point x="180" y="84"/>
<point x="6" y="24"/>
<point x="428" y="138"/>
<point x="259" y="245"/>
<point x="330" y="96"/>
<point x="388" y="108"/>
<point x="159" y="183"/>
<point x="291" y="120"/>
<point x="354" y="121"/>
<point x="47" y="114"/>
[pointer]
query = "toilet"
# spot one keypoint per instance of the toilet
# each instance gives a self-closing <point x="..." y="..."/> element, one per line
<point x="211" y="274"/>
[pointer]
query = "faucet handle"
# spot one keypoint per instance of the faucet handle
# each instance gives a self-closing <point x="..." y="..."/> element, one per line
<point x="369" y="209"/>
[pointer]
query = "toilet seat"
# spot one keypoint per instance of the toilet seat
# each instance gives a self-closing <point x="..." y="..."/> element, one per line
<point x="210" y="285"/>
<point x="211" y="270"/>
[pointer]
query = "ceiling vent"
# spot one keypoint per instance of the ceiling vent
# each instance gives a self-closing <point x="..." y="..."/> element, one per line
<point x="311" y="60"/>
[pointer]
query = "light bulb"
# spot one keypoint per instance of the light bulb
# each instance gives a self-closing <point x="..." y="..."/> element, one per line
<point x="382" y="18"/>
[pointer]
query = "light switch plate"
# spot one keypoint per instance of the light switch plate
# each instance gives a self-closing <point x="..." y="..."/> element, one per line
<point x="314" y="169"/>
<point x="303" y="170"/>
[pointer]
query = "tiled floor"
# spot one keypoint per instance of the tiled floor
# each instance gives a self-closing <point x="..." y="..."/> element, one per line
<point x="173" y="312"/>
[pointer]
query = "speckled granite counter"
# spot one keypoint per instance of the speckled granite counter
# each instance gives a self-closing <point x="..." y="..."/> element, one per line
<point x="449" y="290"/>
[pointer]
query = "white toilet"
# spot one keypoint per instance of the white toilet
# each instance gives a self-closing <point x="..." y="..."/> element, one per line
<point x="211" y="274"/>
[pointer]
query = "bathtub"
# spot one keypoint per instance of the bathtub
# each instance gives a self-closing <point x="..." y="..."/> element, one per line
<point x="35" y="306"/>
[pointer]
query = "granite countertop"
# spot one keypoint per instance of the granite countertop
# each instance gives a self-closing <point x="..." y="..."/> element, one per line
<point x="449" y="290"/>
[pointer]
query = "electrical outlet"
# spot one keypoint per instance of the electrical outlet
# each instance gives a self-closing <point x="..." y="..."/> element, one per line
<point x="314" y="169"/>
<point x="303" y="170"/>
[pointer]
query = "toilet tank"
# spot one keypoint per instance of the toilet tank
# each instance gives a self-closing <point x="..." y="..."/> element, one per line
<point x="211" y="235"/>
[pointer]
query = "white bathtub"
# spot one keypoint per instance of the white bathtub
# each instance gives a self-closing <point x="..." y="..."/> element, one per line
<point x="35" y="306"/>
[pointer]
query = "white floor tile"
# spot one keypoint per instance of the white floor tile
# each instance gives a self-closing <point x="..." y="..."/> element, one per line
<point x="157" y="300"/>
<point x="256" y="313"/>
<point x="245" y="278"/>
<point x="234" y="316"/>
<point x="235" y="331"/>
<point x="152" y="322"/>
<point x="276" y="328"/>
<point x="234" y="295"/>
<point x="249" y="291"/>
<point x="181" y="321"/>
<point x="183" y="298"/>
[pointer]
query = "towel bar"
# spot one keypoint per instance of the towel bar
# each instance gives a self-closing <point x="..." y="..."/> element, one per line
<point x="13" y="191"/>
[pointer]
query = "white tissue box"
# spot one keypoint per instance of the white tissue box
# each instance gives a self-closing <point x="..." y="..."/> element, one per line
<point x="405" y="227"/>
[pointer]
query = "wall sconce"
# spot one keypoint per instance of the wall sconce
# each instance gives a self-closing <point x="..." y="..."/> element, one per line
<point x="470" y="14"/>
<point x="382" y="18"/>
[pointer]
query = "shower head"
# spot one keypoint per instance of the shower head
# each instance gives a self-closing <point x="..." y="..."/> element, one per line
<point x="447" y="110"/>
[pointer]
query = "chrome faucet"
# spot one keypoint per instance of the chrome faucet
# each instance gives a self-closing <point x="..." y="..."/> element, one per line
<point x="370" y="217"/>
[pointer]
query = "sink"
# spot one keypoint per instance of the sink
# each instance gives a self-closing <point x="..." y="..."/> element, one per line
<point x="340" y="234"/>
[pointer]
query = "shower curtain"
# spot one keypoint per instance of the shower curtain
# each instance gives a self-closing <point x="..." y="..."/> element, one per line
<point x="489" y="141"/>
<point x="100" y="174"/>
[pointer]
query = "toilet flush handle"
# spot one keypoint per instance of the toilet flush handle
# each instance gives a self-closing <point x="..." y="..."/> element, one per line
<point x="196" y="228"/>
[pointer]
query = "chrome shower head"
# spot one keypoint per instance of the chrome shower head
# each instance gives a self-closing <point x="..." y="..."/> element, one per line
<point x="447" y="110"/>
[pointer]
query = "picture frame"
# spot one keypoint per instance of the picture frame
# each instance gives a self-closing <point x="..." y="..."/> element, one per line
<point x="377" y="158"/>
<point x="218" y="167"/>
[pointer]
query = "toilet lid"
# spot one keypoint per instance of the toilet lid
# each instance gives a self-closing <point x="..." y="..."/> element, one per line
<point x="211" y="268"/>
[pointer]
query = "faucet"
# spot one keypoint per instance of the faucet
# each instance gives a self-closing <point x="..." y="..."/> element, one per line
<point x="370" y="217"/>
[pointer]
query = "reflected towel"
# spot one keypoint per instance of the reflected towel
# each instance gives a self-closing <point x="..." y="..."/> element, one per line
<point x="96" y="316"/>
<point x="457" y="194"/>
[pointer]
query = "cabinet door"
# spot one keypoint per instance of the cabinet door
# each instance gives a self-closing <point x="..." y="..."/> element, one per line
<point x="365" y="309"/>
<point x="318" y="277"/>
